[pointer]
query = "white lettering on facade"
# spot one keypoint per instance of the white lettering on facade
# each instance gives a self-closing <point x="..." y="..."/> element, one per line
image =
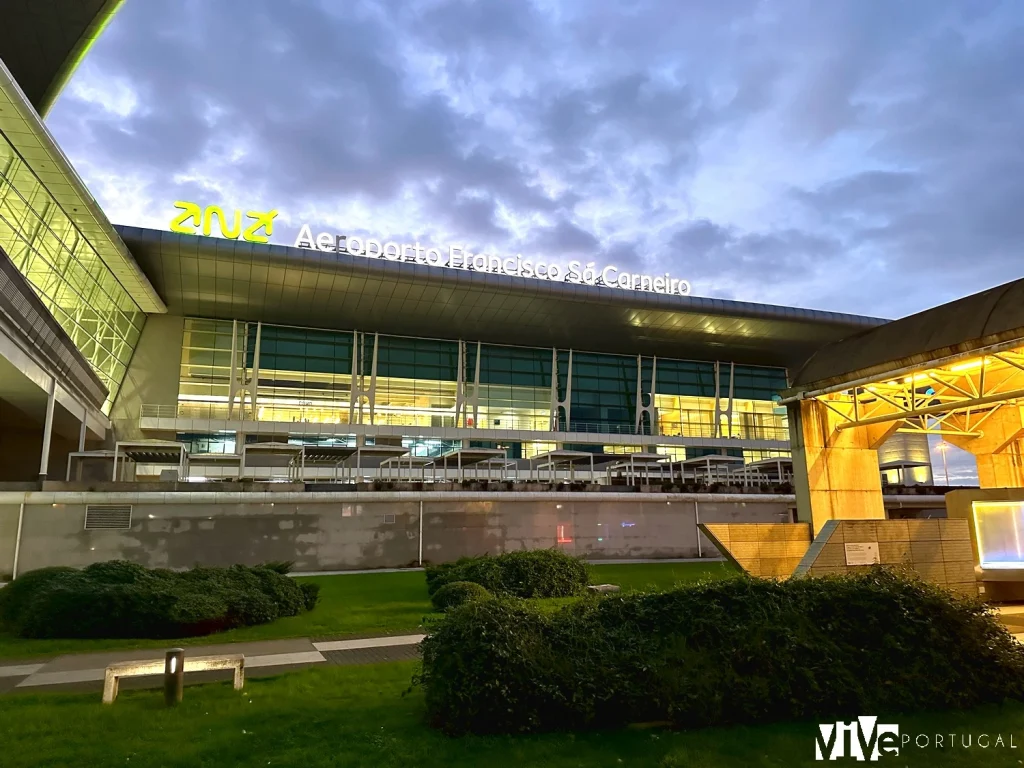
<point x="458" y="257"/>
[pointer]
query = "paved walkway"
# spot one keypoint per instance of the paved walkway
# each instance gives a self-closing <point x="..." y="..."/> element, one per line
<point x="84" y="671"/>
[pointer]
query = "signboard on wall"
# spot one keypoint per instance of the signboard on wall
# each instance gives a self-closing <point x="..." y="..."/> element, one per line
<point x="258" y="227"/>
<point x="865" y="553"/>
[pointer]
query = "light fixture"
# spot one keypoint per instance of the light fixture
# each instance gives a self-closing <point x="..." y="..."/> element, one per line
<point x="968" y="365"/>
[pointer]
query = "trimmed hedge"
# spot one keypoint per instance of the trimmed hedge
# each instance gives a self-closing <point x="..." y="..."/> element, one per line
<point x="456" y="593"/>
<point x="735" y="651"/>
<point x="533" y="573"/>
<point x="123" y="599"/>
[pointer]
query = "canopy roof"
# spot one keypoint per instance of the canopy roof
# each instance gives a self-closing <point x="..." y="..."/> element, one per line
<point x="233" y="280"/>
<point x="957" y="329"/>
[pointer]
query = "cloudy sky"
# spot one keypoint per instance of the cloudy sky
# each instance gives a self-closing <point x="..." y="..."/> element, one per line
<point x="859" y="156"/>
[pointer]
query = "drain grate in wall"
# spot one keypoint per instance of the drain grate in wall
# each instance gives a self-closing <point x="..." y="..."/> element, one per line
<point x="389" y="518"/>
<point x="109" y="517"/>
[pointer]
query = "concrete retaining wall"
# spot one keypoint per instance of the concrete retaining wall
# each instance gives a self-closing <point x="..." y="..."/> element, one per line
<point x="366" y="530"/>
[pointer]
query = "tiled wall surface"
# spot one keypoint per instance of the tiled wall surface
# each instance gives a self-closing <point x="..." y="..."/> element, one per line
<point x="766" y="550"/>
<point x="938" y="550"/>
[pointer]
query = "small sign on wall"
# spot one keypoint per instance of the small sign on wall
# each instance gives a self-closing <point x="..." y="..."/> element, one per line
<point x="862" y="554"/>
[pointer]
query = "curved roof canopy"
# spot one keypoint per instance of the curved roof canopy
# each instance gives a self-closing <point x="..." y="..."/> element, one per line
<point x="228" y="279"/>
<point x="983" y="320"/>
<point x="42" y="42"/>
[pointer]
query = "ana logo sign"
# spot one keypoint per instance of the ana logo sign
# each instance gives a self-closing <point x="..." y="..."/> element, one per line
<point x="863" y="739"/>
<point x="231" y="230"/>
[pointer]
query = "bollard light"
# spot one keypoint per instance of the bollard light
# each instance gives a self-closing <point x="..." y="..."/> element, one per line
<point x="174" y="676"/>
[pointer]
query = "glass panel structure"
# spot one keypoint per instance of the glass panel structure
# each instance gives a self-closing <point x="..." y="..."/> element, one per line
<point x="306" y="375"/>
<point x="999" y="527"/>
<point x="514" y="390"/>
<point x="66" y="272"/>
<point x="416" y="380"/>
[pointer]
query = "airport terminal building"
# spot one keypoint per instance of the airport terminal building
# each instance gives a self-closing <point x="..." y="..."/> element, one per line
<point x="300" y="345"/>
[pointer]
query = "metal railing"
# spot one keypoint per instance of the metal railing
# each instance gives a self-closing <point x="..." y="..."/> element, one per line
<point x="698" y="424"/>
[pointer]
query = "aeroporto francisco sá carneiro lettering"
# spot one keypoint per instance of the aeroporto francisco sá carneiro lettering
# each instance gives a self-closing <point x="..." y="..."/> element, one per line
<point x="457" y="257"/>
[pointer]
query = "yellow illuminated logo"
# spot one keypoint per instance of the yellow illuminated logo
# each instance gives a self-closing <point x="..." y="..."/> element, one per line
<point x="200" y="218"/>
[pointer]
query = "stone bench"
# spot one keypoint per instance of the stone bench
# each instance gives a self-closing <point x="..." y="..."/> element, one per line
<point x="114" y="673"/>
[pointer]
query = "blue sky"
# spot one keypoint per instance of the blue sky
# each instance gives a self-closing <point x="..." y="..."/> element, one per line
<point x="854" y="155"/>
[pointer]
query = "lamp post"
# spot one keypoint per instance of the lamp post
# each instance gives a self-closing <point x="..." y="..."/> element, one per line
<point x="942" y="447"/>
<point x="174" y="676"/>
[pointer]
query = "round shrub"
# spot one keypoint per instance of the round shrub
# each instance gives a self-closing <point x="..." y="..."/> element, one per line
<point x="532" y="573"/>
<point x="310" y="594"/>
<point x="116" y="572"/>
<point x="198" y="613"/>
<point x="17" y="596"/>
<point x="246" y="608"/>
<point x="122" y="599"/>
<point x="444" y="573"/>
<point x="283" y="592"/>
<point x="93" y="610"/>
<point x="735" y="651"/>
<point x="456" y="593"/>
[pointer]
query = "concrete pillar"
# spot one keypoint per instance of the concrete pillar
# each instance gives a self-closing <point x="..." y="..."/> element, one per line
<point x="998" y="449"/>
<point x="44" y="460"/>
<point x="82" y="429"/>
<point x="835" y="472"/>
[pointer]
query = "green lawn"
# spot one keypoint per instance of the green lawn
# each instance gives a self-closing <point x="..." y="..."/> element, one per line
<point x="365" y="603"/>
<point x="358" y="716"/>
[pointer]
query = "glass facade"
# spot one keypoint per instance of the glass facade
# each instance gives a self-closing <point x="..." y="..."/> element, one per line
<point x="305" y="375"/>
<point x="998" y="526"/>
<point x="66" y="272"/>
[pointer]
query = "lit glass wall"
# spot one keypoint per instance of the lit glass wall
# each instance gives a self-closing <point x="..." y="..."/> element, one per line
<point x="416" y="380"/>
<point x="999" y="528"/>
<point x="515" y="387"/>
<point x="66" y="272"/>
<point x="306" y="376"/>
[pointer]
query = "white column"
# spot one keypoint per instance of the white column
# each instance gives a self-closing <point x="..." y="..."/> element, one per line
<point x="44" y="460"/>
<point x="254" y="387"/>
<point x="373" y="377"/>
<point x="421" y="534"/>
<point x="233" y="383"/>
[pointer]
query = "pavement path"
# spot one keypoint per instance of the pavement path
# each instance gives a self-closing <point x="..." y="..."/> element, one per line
<point x="80" y="672"/>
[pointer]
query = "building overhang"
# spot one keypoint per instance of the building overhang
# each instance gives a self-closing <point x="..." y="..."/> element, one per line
<point x="228" y="279"/>
<point x="42" y="43"/>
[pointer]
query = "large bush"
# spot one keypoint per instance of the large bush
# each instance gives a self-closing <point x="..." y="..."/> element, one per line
<point x="455" y="593"/>
<point x="533" y="573"/>
<point x="735" y="651"/>
<point x="123" y="599"/>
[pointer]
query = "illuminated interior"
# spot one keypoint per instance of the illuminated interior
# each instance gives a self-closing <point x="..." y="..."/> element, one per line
<point x="66" y="272"/>
<point x="695" y="417"/>
<point x="998" y="527"/>
<point x="305" y="375"/>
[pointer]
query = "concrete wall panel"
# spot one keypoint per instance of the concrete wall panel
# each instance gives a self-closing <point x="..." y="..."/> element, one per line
<point x="8" y="531"/>
<point x="373" y="534"/>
